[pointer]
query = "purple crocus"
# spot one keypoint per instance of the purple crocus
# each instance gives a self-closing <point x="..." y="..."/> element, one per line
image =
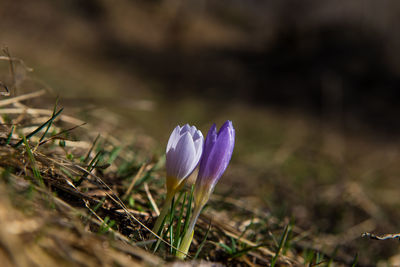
<point x="217" y="153"/>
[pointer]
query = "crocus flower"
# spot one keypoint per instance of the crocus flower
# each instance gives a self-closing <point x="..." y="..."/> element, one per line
<point x="217" y="153"/>
<point x="216" y="156"/>
<point x="184" y="150"/>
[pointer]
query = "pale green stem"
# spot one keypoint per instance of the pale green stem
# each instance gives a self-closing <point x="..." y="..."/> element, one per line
<point x="188" y="237"/>
<point x="164" y="212"/>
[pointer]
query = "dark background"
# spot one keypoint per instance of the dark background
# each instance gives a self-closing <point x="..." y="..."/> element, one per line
<point x="338" y="58"/>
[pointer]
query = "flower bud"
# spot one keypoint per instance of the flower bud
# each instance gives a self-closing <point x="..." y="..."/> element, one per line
<point x="184" y="150"/>
<point x="217" y="153"/>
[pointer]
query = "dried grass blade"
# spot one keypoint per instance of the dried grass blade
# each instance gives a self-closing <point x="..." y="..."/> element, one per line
<point x="134" y="180"/>
<point x="9" y="101"/>
<point x="151" y="199"/>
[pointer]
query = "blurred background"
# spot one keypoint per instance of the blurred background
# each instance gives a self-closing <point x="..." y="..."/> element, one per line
<point x="311" y="88"/>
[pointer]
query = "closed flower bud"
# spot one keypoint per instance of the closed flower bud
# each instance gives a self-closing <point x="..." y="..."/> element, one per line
<point x="184" y="150"/>
<point x="217" y="153"/>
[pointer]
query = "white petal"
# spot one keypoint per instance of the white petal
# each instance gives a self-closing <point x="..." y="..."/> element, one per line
<point x="197" y="135"/>
<point x="173" y="139"/>
<point x="185" y="154"/>
<point x="185" y="128"/>
<point x="198" y="144"/>
<point x="193" y="130"/>
<point x="170" y="162"/>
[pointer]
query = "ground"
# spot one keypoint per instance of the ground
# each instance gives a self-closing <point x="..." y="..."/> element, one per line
<point x="83" y="187"/>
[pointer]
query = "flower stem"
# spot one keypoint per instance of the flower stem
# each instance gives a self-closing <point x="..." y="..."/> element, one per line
<point x="188" y="237"/>
<point x="164" y="212"/>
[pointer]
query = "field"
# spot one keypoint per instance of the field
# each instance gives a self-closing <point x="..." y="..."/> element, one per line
<point x="313" y="179"/>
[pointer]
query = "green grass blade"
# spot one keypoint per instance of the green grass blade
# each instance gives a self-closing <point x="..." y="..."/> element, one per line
<point x="49" y="125"/>
<point x="171" y="236"/>
<point x="93" y="163"/>
<point x="188" y="211"/>
<point x="98" y="205"/>
<point x="332" y="256"/>
<point x="202" y="242"/>
<point x="91" y="149"/>
<point x="244" y="251"/>
<point x="57" y="136"/>
<point x="178" y="232"/>
<point x="106" y="225"/>
<point x="157" y="244"/>
<point x="40" y="127"/>
<point x="233" y="245"/>
<point x="36" y="172"/>
<point x="68" y="173"/>
<point x="171" y="221"/>
<point x="319" y="258"/>
<point x="10" y="135"/>
<point x="159" y="233"/>
<point x="114" y="154"/>
<point x="227" y="248"/>
<point x="286" y="232"/>
<point x="355" y="260"/>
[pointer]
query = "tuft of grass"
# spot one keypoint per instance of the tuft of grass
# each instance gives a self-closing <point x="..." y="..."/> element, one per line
<point x="35" y="170"/>
<point x="40" y="127"/>
<point x="202" y="243"/>
<point x="178" y="232"/>
<point x="355" y="261"/>
<point x="106" y="225"/>
<point x="86" y="158"/>
<point x="282" y="243"/>
<point x="51" y="122"/>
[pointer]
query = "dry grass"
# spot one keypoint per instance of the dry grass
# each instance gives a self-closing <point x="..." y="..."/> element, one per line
<point x="71" y="199"/>
<point x="88" y="193"/>
<point x="69" y="222"/>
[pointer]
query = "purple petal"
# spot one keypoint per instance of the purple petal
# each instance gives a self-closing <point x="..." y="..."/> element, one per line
<point x="216" y="156"/>
<point x="229" y="127"/>
<point x="209" y="144"/>
<point x="219" y="157"/>
<point x="227" y="124"/>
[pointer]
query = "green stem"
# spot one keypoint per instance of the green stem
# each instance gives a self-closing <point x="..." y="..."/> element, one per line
<point x="188" y="237"/>
<point x="164" y="212"/>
